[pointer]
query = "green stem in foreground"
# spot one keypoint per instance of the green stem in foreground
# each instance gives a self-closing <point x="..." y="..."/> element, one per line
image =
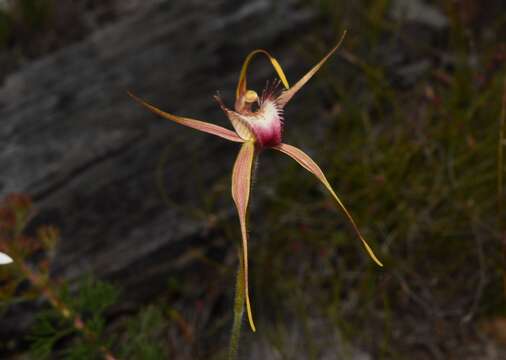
<point x="500" y="173"/>
<point x="238" y="311"/>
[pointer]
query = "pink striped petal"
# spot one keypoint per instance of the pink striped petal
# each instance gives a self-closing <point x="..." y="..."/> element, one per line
<point x="192" y="123"/>
<point x="241" y="184"/>
<point x="306" y="162"/>
<point x="241" y="127"/>
<point x="286" y="95"/>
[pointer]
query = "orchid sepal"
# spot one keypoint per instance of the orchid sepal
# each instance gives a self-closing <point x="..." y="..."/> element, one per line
<point x="241" y="185"/>
<point x="287" y="94"/>
<point x="192" y="123"/>
<point x="240" y="93"/>
<point x="306" y="162"/>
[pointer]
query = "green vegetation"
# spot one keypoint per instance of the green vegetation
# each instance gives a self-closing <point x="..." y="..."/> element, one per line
<point x="24" y="18"/>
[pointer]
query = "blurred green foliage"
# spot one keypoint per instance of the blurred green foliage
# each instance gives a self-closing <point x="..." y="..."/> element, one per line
<point x="140" y="336"/>
<point x="144" y="336"/>
<point x="5" y="28"/>
<point x="26" y="16"/>
<point x="75" y="325"/>
<point x="51" y="329"/>
<point x="35" y="14"/>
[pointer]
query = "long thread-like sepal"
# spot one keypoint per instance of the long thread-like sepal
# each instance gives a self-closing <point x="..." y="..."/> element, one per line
<point x="306" y="162"/>
<point x="192" y="123"/>
<point x="285" y="97"/>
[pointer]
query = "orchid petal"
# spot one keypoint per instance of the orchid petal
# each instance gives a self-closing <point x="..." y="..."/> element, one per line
<point x="241" y="127"/>
<point x="286" y="95"/>
<point x="306" y="162"/>
<point x="5" y="259"/>
<point x="192" y="123"/>
<point x="241" y="85"/>
<point x="241" y="183"/>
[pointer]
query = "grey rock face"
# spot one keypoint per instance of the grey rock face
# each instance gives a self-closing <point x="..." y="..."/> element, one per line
<point x="74" y="140"/>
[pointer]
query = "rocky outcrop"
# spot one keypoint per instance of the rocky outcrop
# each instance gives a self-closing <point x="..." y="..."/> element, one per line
<point x="90" y="156"/>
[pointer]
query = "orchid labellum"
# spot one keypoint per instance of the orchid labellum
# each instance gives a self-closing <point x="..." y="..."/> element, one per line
<point x="258" y="124"/>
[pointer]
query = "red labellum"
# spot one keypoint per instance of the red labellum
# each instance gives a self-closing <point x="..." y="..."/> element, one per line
<point x="264" y="125"/>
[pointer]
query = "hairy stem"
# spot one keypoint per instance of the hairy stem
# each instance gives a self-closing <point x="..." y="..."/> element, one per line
<point x="238" y="311"/>
<point x="500" y="173"/>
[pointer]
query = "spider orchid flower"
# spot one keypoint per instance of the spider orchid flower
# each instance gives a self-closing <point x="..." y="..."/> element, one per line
<point x="258" y="125"/>
<point x="5" y="259"/>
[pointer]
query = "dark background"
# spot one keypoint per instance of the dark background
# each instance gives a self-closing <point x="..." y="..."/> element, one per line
<point x="404" y="121"/>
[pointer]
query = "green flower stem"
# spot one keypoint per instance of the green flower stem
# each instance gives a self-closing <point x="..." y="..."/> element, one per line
<point x="500" y="173"/>
<point x="238" y="311"/>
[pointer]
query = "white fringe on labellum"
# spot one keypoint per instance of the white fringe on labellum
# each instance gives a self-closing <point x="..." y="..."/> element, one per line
<point x="5" y="259"/>
<point x="265" y="124"/>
